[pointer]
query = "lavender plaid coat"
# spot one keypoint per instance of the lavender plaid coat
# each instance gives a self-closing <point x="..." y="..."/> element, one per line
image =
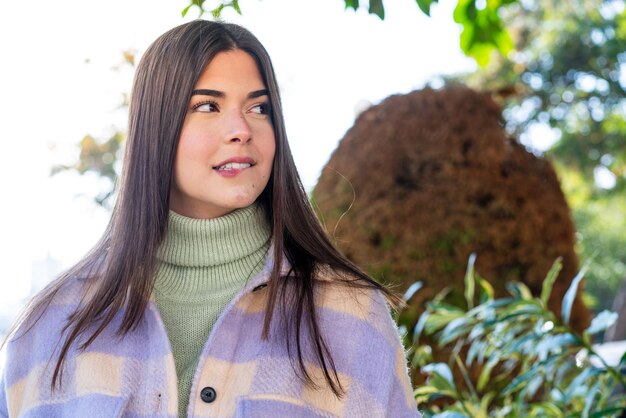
<point x="239" y="374"/>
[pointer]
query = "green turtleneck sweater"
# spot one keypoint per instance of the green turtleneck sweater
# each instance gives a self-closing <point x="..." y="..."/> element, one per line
<point x="203" y="263"/>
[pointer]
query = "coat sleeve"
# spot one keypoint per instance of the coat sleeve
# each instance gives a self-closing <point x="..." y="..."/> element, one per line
<point x="4" y="409"/>
<point x="385" y="344"/>
<point x="366" y="345"/>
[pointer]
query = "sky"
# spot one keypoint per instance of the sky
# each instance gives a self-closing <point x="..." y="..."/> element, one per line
<point x="61" y="79"/>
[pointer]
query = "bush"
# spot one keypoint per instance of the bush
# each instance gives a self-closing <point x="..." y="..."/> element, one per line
<point x="513" y="356"/>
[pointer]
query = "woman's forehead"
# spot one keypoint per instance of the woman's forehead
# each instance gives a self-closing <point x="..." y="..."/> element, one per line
<point x="231" y="70"/>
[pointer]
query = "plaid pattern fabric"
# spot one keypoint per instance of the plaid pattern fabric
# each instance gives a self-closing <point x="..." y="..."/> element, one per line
<point x="242" y="374"/>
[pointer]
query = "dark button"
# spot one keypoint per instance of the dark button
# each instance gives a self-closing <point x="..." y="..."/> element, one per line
<point x="259" y="287"/>
<point x="208" y="394"/>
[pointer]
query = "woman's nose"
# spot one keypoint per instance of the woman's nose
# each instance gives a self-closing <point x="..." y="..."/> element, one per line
<point x="238" y="129"/>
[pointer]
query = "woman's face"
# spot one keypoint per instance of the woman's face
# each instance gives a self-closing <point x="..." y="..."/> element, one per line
<point x="226" y="146"/>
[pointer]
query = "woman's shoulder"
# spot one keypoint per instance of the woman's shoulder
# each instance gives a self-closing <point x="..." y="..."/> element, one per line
<point x="346" y="291"/>
<point x="362" y="306"/>
<point x="357" y="324"/>
<point x="36" y="341"/>
<point x="46" y="313"/>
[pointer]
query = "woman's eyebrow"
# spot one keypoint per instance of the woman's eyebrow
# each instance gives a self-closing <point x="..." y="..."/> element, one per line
<point x="221" y="94"/>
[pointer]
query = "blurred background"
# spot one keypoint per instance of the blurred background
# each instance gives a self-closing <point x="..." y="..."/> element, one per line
<point x="555" y="73"/>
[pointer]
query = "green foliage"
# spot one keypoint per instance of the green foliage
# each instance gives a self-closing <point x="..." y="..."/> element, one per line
<point x="216" y="12"/>
<point x="567" y="74"/>
<point x="354" y="4"/>
<point x="512" y="357"/>
<point x="483" y="30"/>
<point x="377" y="8"/>
<point x="425" y="5"/>
<point x="100" y="157"/>
<point x="600" y="218"/>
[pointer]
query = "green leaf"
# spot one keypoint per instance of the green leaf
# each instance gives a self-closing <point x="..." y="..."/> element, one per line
<point x="474" y="409"/>
<point x="520" y="308"/>
<point x="441" y="295"/>
<point x="503" y="41"/>
<point x="601" y="322"/>
<point x="508" y="367"/>
<point x="485" y="373"/>
<point x="580" y="381"/>
<point x="419" y="327"/>
<point x="424" y="393"/>
<point x="436" y="322"/>
<point x="450" y="414"/>
<point x="217" y="12"/>
<point x="454" y="329"/>
<point x="483" y="31"/>
<point x="570" y="295"/>
<point x="466" y="377"/>
<point x="422" y="355"/>
<point x="498" y="303"/>
<point x="521" y="379"/>
<point x="486" y="290"/>
<point x="198" y="3"/>
<point x="412" y="290"/>
<point x="425" y="5"/>
<point x="235" y="5"/>
<point x="483" y="313"/>
<point x="522" y="344"/>
<point x="476" y="347"/>
<point x="352" y="3"/>
<point x="440" y="315"/>
<point x="486" y="400"/>
<point x="548" y="282"/>
<point x="589" y="399"/>
<point x="546" y="409"/>
<point x="440" y="376"/>
<point x="459" y="15"/>
<point x="552" y="343"/>
<point x="469" y="281"/>
<point x="470" y="11"/>
<point x="444" y="308"/>
<point x="608" y="412"/>
<point x="531" y="388"/>
<point x="377" y="8"/>
<point x="519" y="290"/>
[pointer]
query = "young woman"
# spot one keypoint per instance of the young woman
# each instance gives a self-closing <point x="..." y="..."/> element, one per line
<point x="214" y="291"/>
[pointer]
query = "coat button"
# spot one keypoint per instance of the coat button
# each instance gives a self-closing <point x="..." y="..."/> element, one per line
<point x="208" y="394"/>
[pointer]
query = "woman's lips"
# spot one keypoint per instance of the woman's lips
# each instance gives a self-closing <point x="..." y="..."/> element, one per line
<point x="233" y="166"/>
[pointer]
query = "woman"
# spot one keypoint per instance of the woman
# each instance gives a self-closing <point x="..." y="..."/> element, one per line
<point x="214" y="291"/>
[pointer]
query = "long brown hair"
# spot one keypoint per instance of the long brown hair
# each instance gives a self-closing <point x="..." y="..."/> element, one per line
<point x="122" y="264"/>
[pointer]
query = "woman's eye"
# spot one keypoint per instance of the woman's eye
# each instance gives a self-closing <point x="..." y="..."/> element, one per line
<point x="206" y="107"/>
<point x="261" y="108"/>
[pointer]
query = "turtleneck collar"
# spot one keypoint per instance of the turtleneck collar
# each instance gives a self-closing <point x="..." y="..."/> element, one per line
<point x="193" y="242"/>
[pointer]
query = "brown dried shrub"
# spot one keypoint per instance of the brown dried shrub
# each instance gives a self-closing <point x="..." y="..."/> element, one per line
<point x="423" y="180"/>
